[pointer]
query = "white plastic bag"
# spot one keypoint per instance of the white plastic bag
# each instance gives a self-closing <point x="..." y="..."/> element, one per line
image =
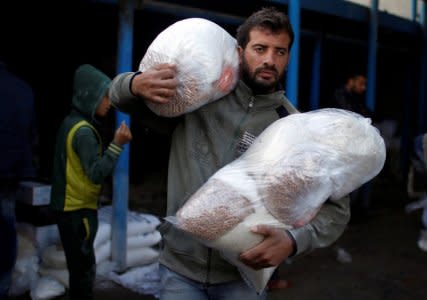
<point x="47" y="288"/>
<point x="24" y="275"/>
<point x="282" y="180"/>
<point x="143" y="279"/>
<point x="207" y="63"/>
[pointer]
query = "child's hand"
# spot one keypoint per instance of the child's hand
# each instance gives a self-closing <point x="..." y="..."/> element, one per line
<point x="122" y="135"/>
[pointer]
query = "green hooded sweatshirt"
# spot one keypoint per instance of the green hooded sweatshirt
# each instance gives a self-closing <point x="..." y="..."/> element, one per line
<point x="80" y="165"/>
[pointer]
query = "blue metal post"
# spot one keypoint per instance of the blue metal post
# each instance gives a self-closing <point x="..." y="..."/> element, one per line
<point x="315" y="73"/>
<point x="408" y="111"/>
<point x="414" y="10"/>
<point x="292" y="74"/>
<point x="423" y="71"/>
<point x="121" y="174"/>
<point x="372" y="56"/>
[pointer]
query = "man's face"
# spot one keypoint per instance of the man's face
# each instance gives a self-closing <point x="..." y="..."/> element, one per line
<point x="264" y="59"/>
<point x="358" y="84"/>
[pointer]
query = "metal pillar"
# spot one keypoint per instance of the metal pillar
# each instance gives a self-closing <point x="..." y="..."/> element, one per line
<point x="121" y="174"/>
<point x="372" y="56"/>
<point x="315" y="73"/>
<point x="423" y="71"/>
<point x="292" y="74"/>
<point x="408" y="107"/>
<point x="414" y="10"/>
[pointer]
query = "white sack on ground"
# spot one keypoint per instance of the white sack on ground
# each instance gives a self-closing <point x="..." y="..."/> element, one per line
<point x="134" y="243"/>
<point x="103" y="252"/>
<point x="207" y="63"/>
<point x="142" y="280"/>
<point x="289" y="171"/>
<point x="143" y="240"/>
<point x="103" y="234"/>
<point x="53" y="256"/>
<point x="47" y="288"/>
<point x="141" y="257"/>
<point x="60" y="275"/>
<point x="134" y="256"/>
<point x="137" y="223"/>
<point x="40" y="236"/>
<point x="24" y="275"/>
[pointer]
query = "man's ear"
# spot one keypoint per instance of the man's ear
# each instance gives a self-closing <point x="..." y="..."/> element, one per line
<point x="240" y="50"/>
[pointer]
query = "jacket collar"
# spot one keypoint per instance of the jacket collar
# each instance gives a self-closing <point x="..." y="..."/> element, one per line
<point x="245" y="96"/>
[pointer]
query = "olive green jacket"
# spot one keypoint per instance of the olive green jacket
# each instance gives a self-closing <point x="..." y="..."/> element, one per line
<point x="206" y="140"/>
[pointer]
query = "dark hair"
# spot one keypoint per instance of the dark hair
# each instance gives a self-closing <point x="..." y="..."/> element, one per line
<point x="265" y="18"/>
<point x="353" y="72"/>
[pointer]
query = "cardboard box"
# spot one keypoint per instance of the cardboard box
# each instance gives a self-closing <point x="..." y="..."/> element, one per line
<point x="34" y="193"/>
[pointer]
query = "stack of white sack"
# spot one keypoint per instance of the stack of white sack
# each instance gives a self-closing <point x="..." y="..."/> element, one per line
<point x="282" y="180"/>
<point x="206" y="58"/>
<point x="142" y="240"/>
<point x="142" y="255"/>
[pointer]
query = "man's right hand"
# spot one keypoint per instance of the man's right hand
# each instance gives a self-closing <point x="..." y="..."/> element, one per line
<point x="157" y="84"/>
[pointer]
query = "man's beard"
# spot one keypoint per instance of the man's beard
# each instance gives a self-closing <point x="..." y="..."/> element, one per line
<point x="259" y="87"/>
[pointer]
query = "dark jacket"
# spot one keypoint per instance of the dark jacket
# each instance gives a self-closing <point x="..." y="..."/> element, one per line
<point x="17" y="128"/>
<point x="348" y="100"/>
<point x="80" y="164"/>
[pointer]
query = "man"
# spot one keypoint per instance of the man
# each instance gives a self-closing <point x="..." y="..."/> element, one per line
<point x="417" y="184"/>
<point x="17" y="137"/>
<point x="211" y="137"/>
<point x="350" y="96"/>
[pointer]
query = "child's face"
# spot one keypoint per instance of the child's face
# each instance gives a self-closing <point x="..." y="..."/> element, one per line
<point x="103" y="107"/>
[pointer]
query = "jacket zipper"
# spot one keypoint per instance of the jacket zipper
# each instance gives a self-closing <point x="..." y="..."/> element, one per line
<point x="208" y="270"/>
<point x="251" y="103"/>
<point x="206" y="284"/>
<point x="242" y="121"/>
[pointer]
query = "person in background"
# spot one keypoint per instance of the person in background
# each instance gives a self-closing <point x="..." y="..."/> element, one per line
<point x="417" y="185"/>
<point x="80" y="166"/>
<point x="17" y="136"/>
<point x="351" y="96"/>
<point x="212" y="136"/>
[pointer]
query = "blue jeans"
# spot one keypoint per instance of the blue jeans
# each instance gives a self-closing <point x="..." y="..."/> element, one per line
<point x="177" y="287"/>
<point x="8" y="248"/>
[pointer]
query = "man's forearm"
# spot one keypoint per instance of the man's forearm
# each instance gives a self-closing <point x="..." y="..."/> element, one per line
<point x="121" y="95"/>
<point x="325" y="228"/>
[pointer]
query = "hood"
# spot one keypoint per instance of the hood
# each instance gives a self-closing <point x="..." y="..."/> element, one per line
<point x="90" y="86"/>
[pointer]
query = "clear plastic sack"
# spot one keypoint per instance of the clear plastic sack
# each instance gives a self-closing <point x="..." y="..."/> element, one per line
<point x="282" y="180"/>
<point x="207" y="61"/>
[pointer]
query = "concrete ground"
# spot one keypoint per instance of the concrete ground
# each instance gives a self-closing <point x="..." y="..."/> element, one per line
<point x="386" y="263"/>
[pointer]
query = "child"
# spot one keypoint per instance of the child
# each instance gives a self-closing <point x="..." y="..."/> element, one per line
<point x="80" y="166"/>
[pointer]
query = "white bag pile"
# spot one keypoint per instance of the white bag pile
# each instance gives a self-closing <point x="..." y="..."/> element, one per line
<point x="207" y="63"/>
<point x="142" y="236"/>
<point x="142" y="240"/>
<point x="24" y="275"/>
<point x="282" y="180"/>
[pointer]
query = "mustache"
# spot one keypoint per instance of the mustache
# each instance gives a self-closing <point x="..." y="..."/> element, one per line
<point x="266" y="68"/>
